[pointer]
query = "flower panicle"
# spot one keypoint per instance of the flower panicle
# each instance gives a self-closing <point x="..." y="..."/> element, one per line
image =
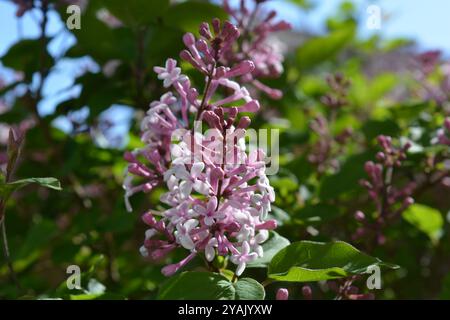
<point x="218" y="195"/>
<point x="390" y="201"/>
<point x="258" y="44"/>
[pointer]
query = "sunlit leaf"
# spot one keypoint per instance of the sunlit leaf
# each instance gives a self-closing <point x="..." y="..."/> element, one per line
<point x="315" y="261"/>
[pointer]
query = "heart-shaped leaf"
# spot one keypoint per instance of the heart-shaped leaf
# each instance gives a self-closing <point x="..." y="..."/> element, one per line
<point x="426" y="219"/>
<point x="197" y="286"/>
<point x="193" y="285"/>
<point x="249" y="289"/>
<point x="315" y="261"/>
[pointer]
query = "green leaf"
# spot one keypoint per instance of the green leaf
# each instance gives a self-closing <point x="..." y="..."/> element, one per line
<point x="7" y="188"/>
<point x="373" y="128"/>
<point x="198" y="12"/>
<point x="320" y="49"/>
<point x="279" y="215"/>
<point x="445" y="289"/>
<point x="197" y="286"/>
<point x="51" y="183"/>
<point x="105" y="43"/>
<point x="304" y="4"/>
<point x="426" y="219"/>
<point x="137" y="12"/>
<point x="271" y="247"/>
<point x="38" y="237"/>
<point x="249" y="289"/>
<point x="315" y="261"/>
<point x="22" y="56"/>
<point x="409" y="111"/>
<point x="347" y="178"/>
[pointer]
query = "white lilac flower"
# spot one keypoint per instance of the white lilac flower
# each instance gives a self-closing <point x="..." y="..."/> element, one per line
<point x="243" y="257"/>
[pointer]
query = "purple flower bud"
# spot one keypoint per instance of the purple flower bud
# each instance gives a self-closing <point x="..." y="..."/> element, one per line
<point x="129" y="157"/>
<point x="360" y="232"/>
<point x="369" y="167"/>
<point x="380" y="156"/>
<point x="281" y="26"/>
<point x="366" y="296"/>
<point x="232" y="113"/>
<point x="408" y="201"/>
<point x="216" y="26"/>
<point x="307" y="292"/>
<point x="282" y="294"/>
<point x="212" y="119"/>
<point x="360" y="216"/>
<point x="407" y="146"/>
<point x="447" y="124"/>
<point x="381" y="239"/>
<point x="272" y="14"/>
<point x="138" y="170"/>
<point x="205" y="31"/>
<point x="203" y="48"/>
<point x="244" y="122"/>
<point x="233" y="227"/>
<point x="268" y="225"/>
<point x="242" y="68"/>
<point x="251" y="106"/>
<point x="189" y="39"/>
<point x="149" y="219"/>
<point x="171" y="269"/>
<point x="187" y="56"/>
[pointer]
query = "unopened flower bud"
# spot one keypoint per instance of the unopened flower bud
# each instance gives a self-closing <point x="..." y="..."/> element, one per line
<point x="282" y="294"/>
<point x="307" y="292"/>
<point x="360" y="216"/>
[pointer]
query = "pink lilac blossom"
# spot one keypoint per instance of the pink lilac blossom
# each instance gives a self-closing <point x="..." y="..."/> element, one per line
<point x="257" y="44"/>
<point x="218" y="194"/>
<point x="324" y="153"/>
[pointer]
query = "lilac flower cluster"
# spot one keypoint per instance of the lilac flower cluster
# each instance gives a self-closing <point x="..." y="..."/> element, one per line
<point x="337" y="97"/>
<point x="328" y="146"/>
<point x="444" y="133"/>
<point x="438" y="90"/>
<point x="324" y="152"/>
<point x="389" y="200"/>
<point x="257" y="44"/>
<point x="218" y="194"/>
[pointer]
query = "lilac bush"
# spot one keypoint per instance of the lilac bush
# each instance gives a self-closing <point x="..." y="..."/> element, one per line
<point x="363" y="154"/>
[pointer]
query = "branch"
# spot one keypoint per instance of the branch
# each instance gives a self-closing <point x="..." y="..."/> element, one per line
<point x="7" y="255"/>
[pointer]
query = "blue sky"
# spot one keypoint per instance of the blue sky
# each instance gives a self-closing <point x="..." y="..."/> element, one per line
<point x="424" y="21"/>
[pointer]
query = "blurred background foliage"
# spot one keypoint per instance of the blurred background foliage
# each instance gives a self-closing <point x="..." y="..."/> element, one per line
<point x="81" y="142"/>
